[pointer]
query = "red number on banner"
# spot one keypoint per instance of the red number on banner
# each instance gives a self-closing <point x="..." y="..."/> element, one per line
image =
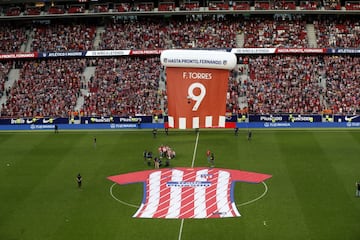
<point x="196" y="98"/>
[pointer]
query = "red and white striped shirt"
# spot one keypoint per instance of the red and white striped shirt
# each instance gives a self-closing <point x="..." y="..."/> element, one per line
<point x="188" y="192"/>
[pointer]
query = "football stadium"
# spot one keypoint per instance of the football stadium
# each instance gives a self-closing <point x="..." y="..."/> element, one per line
<point x="179" y="119"/>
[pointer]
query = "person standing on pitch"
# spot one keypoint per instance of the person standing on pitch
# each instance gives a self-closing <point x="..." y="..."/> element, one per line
<point x="212" y="160"/>
<point x="157" y="162"/>
<point x="208" y="155"/>
<point x="79" y="180"/>
<point x="145" y="155"/>
<point x="94" y="142"/>
<point x="249" y="135"/>
<point x="358" y="189"/>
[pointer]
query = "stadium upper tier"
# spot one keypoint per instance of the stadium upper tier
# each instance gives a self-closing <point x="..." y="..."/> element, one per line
<point x="181" y="32"/>
<point x="59" y="8"/>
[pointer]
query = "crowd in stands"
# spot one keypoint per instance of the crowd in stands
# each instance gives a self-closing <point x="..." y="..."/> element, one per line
<point x="32" y="11"/>
<point x="285" y="5"/>
<point x="332" y="4"/>
<point x="284" y="84"/>
<point x="262" y="5"/>
<point x="338" y="32"/>
<point x="242" y="5"/>
<point x="146" y="34"/>
<point x="12" y="37"/>
<point x="124" y="86"/>
<point x="275" y="5"/>
<point x="167" y="6"/>
<point x="80" y="8"/>
<point x="233" y="93"/>
<point x="343" y="84"/>
<point x="352" y="5"/>
<point x="99" y="6"/>
<point x="292" y="84"/>
<point x="177" y="33"/>
<point x="122" y="7"/>
<point x="57" y="9"/>
<point x="4" y="71"/>
<point x="45" y="88"/>
<point x="190" y="6"/>
<point x="13" y="11"/>
<point x="63" y="37"/>
<point x="218" y="5"/>
<point x="310" y="5"/>
<point x="268" y="32"/>
<point x="189" y="32"/>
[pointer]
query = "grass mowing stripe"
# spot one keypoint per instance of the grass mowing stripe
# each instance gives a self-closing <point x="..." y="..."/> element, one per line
<point x="316" y="182"/>
<point x="343" y="154"/>
<point x="192" y="165"/>
<point x="355" y="135"/>
<point x="57" y="186"/>
<point x="33" y="188"/>
<point x="22" y="175"/>
<point x="280" y="207"/>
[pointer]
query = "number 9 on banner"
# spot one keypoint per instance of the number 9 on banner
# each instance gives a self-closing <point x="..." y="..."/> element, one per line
<point x="197" y="98"/>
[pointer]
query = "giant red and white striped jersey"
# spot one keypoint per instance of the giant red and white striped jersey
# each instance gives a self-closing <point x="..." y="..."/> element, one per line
<point x="188" y="192"/>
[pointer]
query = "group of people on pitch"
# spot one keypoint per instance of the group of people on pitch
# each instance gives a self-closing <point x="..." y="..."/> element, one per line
<point x="165" y="152"/>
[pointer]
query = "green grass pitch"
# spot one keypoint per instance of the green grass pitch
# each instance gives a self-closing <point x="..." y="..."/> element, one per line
<point x="311" y="194"/>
